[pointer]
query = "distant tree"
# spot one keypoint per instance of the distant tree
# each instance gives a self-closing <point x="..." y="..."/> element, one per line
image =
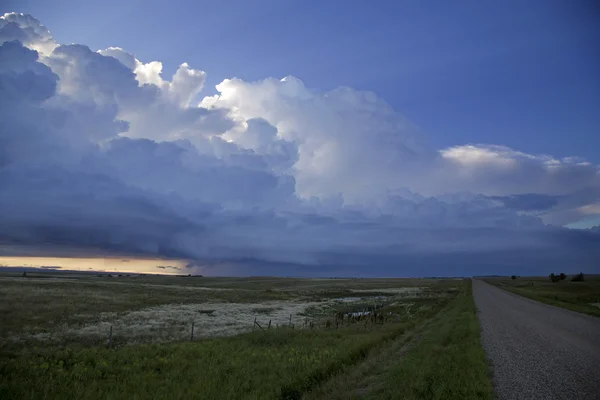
<point x="578" y="278"/>
<point x="24" y="274"/>
<point x="556" y="278"/>
<point x="513" y="277"/>
<point x="562" y="276"/>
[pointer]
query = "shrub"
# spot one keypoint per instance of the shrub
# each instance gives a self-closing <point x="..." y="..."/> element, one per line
<point x="559" y="277"/>
<point x="513" y="277"/>
<point x="578" y="278"/>
<point x="562" y="276"/>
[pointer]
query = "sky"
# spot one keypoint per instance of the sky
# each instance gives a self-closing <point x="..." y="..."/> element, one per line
<point x="284" y="136"/>
<point x="96" y="264"/>
<point x="464" y="71"/>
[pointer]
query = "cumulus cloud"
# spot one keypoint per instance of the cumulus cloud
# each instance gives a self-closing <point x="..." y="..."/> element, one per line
<point x="27" y="30"/>
<point x="499" y="170"/>
<point x="355" y="145"/>
<point x="349" y="142"/>
<point x="99" y="151"/>
<point x="557" y="190"/>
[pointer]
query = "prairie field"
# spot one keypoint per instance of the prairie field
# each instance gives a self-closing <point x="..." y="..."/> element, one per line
<point x="93" y="336"/>
<point x="582" y="296"/>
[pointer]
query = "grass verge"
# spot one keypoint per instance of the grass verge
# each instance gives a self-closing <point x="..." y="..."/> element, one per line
<point x="447" y="363"/>
<point x="359" y="380"/>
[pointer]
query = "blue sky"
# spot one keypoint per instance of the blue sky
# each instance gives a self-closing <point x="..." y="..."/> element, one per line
<point x="520" y="73"/>
<point x="266" y="137"/>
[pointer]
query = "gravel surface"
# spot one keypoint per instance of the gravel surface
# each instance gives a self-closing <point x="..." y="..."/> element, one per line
<point x="538" y="351"/>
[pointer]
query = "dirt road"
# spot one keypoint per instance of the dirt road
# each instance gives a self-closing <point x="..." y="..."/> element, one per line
<point x="538" y="351"/>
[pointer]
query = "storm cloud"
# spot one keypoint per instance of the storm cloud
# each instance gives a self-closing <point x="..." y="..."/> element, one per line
<point x="99" y="151"/>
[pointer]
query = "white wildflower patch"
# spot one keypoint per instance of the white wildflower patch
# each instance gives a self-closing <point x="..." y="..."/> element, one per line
<point x="405" y="291"/>
<point x="171" y="322"/>
<point x="348" y="299"/>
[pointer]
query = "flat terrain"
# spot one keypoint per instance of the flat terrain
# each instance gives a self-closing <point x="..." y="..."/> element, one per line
<point x="55" y="330"/>
<point x="577" y="296"/>
<point x="60" y="308"/>
<point x="538" y="351"/>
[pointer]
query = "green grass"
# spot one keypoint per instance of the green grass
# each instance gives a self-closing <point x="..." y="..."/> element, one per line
<point x="37" y="304"/>
<point x="46" y="299"/>
<point x="575" y="296"/>
<point x="279" y="363"/>
<point x="443" y="360"/>
<point x="448" y="362"/>
<point x="58" y="304"/>
<point x="276" y="364"/>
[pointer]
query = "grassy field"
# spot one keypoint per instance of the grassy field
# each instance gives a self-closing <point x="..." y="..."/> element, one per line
<point x="583" y="296"/>
<point x="54" y="339"/>
<point x="80" y="308"/>
<point x="441" y="359"/>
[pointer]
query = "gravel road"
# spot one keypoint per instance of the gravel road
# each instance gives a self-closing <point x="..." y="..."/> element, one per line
<point x="538" y="351"/>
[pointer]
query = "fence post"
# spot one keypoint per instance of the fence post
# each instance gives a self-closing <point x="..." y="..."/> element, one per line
<point x="290" y="320"/>
<point x="269" y="327"/>
<point x="110" y="338"/>
<point x="192" y="334"/>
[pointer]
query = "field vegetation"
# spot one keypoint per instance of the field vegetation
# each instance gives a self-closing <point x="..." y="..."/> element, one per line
<point x="569" y="292"/>
<point x="54" y="342"/>
<point x="440" y="359"/>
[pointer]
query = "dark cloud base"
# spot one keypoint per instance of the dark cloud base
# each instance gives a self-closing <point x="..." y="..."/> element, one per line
<point x="465" y="264"/>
